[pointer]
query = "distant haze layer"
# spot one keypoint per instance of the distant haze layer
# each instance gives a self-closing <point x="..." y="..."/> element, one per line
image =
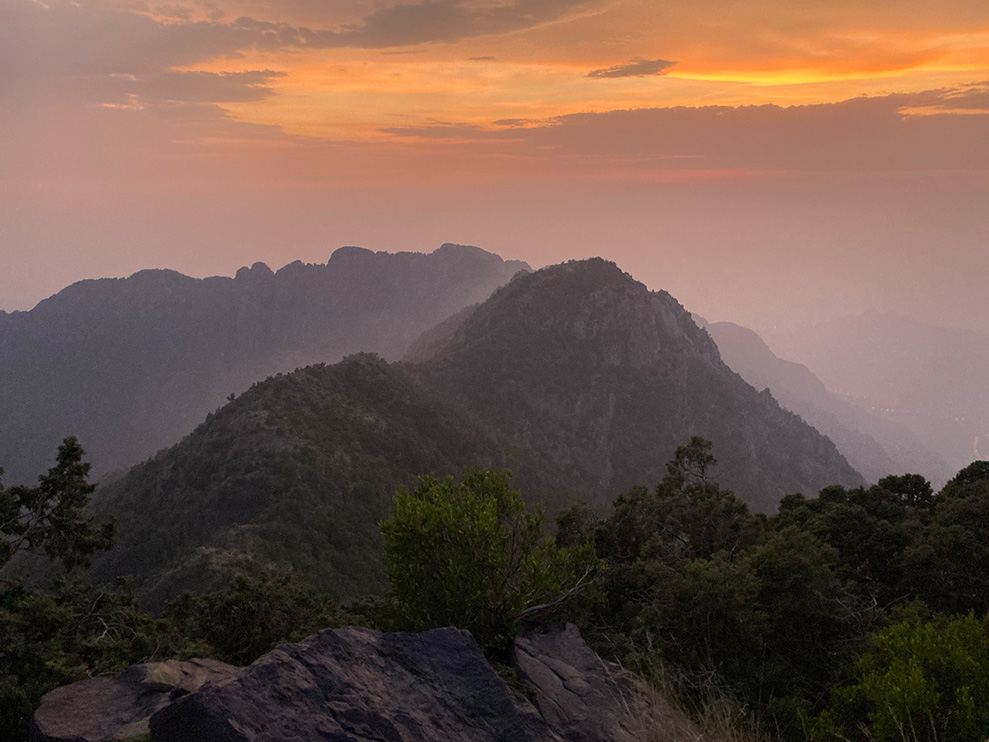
<point x="773" y="164"/>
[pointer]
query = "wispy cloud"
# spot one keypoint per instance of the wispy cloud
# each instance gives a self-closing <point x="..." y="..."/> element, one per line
<point x="635" y="68"/>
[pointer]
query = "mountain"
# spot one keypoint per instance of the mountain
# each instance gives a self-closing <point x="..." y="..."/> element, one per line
<point x="299" y="469"/>
<point x="875" y="446"/>
<point x="130" y="365"/>
<point x="604" y="378"/>
<point x="929" y="379"/>
<point x="576" y="377"/>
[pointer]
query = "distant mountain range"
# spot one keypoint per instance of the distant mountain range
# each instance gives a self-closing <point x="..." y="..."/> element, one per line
<point x="874" y="445"/>
<point x="131" y="365"/>
<point x="931" y="380"/>
<point x="576" y="376"/>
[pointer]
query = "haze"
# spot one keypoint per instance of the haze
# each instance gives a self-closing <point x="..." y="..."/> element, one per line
<point x="775" y="164"/>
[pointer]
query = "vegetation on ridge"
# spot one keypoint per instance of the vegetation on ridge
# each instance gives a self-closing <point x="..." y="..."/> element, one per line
<point x="851" y="616"/>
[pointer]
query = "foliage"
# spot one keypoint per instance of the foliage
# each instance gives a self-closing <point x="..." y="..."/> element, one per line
<point x="471" y="554"/>
<point x="49" y="518"/>
<point x="69" y="633"/>
<point x="921" y="682"/>
<point x="253" y="615"/>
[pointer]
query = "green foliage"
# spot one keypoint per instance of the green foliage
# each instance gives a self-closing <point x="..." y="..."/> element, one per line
<point x="299" y="470"/>
<point x="70" y="633"/>
<point x="472" y="555"/>
<point x="49" y="519"/>
<point x="700" y="584"/>
<point x="947" y="561"/>
<point x="921" y="682"/>
<point x="252" y="616"/>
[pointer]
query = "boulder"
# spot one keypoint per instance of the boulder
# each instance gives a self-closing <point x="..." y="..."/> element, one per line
<point x="117" y="707"/>
<point x="358" y="685"/>
<point x="584" y="698"/>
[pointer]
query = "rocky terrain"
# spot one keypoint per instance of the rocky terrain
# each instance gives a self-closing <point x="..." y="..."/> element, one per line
<point x="358" y="685"/>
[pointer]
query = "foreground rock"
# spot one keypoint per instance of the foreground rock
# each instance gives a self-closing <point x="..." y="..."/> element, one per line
<point x="358" y="685"/>
<point x="586" y="699"/>
<point x="118" y="707"/>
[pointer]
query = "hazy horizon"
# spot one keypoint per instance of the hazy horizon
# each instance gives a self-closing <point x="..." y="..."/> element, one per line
<point x="769" y="164"/>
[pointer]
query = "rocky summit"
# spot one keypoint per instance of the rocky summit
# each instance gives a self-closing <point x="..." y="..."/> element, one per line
<point x="358" y="685"/>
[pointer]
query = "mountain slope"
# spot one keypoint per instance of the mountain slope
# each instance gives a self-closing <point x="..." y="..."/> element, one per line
<point x="300" y="469"/>
<point x="930" y="379"/>
<point x="587" y="367"/>
<point x="130" y="365"/>
<point x="876" y="447"/>
<point x="576" y="377"/>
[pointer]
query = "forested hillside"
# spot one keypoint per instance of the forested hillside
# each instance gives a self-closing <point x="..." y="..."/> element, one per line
<point x="298" y="470"/>
<point x="605" y="378"/>
<point x="575" y="377"/>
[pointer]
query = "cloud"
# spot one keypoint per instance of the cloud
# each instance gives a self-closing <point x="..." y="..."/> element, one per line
<point x="409" y="24"/>
<point x="872" y="135"/>
<point x="635" y="68"/>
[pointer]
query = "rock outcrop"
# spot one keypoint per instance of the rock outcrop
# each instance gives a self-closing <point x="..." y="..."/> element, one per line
<point x="582" y="697"/>
<point x="118" y="707"/>
<point x="358" y="685"/>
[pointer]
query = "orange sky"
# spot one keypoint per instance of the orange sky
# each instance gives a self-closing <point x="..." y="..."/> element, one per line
<point x="694" y="136"/>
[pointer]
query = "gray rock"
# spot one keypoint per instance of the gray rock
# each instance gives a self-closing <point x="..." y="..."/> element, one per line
<point x="117" y="707"/>
<point x="358" y="685"/>
<point x="584" y="698"/>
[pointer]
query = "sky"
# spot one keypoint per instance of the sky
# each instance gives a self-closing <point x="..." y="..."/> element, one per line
<point x="771" y="163"/>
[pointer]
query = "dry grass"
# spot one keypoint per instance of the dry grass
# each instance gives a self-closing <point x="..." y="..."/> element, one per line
<point x="677" y="708"/>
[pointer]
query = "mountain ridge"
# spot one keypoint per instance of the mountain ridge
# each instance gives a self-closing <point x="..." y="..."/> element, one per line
<point x="129" y="365"/>
<point x="875" y="446"/>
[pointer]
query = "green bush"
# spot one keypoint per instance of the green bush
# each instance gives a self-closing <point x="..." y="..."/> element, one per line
<point x="472" y="555"/>
<point x="916" y="682"/>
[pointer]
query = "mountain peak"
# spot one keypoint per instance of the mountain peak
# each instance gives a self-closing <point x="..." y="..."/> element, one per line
<point x="606" y="378"/>
<point x="585" y="309"/>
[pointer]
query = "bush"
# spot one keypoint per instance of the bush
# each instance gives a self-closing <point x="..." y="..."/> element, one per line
<point x="926" y="682"/>
<point x="472" y="555"/>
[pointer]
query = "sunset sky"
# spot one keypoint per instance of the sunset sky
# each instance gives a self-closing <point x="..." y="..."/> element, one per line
<point x="769" y="162"/>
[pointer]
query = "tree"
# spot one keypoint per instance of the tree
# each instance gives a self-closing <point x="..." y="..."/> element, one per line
<point x="922" y="682"/>
<point x="49" y="519"/>
<point x="252" y="616"/>
<point x="472" y="555"/>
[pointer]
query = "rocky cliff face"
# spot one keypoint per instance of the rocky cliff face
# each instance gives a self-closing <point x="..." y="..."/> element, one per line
<point x="604" y="378"/>
<point x="130" y="365"/>
<point x="358" y="685"/>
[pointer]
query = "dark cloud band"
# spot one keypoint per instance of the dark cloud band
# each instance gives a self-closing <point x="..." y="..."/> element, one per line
<point x="635" y="68"/>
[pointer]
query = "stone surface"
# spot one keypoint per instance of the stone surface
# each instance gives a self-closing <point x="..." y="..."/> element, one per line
<point x="357" y="685"/>
<point x="582" y="697"/>
<point x="117" y="707"/>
